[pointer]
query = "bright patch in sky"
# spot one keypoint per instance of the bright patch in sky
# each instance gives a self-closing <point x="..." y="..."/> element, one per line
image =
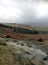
<point x="8" y="11"/>
<point x="42" y="10"/>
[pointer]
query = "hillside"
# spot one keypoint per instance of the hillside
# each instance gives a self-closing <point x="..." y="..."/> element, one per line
<point x="35" y="28"/>
<point x="20" y="31"/>
<point x="19" y="28"/>
<point x="23" y="45"/>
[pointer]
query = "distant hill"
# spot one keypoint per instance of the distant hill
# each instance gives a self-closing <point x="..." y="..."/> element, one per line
<point x="39" y="24"/>
<point x="19" y="31"/>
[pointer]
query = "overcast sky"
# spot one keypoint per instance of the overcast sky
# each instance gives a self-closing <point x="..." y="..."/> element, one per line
<point x="23" y="11"/>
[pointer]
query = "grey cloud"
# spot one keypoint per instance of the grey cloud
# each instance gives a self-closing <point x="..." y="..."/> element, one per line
<point x="28" y="12"/>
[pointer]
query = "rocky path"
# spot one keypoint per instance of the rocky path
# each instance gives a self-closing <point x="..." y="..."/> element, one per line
<point x="24" y="54"/>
